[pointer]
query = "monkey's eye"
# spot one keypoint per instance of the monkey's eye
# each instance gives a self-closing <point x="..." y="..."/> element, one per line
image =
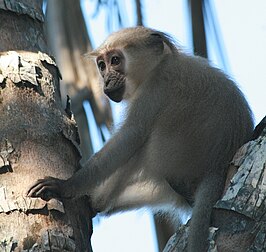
<point x="115" y="60"/>
<point x="101" y="65"/>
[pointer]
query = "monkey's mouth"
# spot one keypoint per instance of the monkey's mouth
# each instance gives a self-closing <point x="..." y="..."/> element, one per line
<point x="114" y="86"/>
<point x="115" y="93"/>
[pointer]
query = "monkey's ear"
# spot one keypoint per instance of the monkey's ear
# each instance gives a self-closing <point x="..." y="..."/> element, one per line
<point x="167" y="43"/>
<point x="156" y="42"/>
<point x="92" y="54"/>
<point x="163" y="42"/>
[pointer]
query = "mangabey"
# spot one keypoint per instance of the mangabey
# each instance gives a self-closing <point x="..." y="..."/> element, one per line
<point x="185" y="121"/>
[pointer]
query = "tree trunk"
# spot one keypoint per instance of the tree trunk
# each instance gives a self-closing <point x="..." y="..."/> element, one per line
<point x="139" y="12"/>
<point x="238" y="219"/>
<point x="198" y="28"/>
<point x="37" y="138"/>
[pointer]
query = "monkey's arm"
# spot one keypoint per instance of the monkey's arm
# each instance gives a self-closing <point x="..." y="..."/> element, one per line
<point x="121" y="147"/>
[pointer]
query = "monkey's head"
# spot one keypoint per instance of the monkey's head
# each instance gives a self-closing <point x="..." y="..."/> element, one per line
<point x="127" y="57"/>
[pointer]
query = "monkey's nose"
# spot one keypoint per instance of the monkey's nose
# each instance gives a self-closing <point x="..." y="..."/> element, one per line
<point x="107" y="82"/>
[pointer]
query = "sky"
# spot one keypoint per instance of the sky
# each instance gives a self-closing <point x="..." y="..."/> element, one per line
<point x="242" y="27"/>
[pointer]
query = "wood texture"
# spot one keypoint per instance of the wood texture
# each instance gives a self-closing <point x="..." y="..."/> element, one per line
<point x="37" y="138"/>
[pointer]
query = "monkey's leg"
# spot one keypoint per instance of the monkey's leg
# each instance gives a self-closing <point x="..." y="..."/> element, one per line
<point x="155" y="194"/>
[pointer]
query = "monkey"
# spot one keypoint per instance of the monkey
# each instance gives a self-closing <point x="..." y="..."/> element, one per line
<point x="184" y="122"/>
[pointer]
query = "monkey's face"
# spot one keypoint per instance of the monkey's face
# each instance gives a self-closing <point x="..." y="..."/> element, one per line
<point x="111" y="66"/>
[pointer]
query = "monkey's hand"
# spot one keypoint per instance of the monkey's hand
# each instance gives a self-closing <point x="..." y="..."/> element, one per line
<point x="48" y="188"/>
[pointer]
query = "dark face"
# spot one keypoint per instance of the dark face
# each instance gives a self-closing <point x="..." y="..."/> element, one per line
<point x="112" y="68"/>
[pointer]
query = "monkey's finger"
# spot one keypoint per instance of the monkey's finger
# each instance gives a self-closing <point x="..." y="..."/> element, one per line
<point x="45" y="190"/>
<point x="40" y="185"/>
<point x="43" y="181"/>
<point x="33" y="192"/>
<point x="33" y="188"/>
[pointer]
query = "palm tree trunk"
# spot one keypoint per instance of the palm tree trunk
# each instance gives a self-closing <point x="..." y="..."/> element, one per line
<point x="37" y="138"/>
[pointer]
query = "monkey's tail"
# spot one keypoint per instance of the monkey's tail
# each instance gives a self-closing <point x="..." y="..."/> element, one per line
<point x="208" y="193"/>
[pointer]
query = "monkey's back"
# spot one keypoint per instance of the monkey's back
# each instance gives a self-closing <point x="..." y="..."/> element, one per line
<point x="206" y="120"/>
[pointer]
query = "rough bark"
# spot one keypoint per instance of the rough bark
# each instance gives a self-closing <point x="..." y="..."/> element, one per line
<point x="238" y="221"/>
<point x="37" y="138"/>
